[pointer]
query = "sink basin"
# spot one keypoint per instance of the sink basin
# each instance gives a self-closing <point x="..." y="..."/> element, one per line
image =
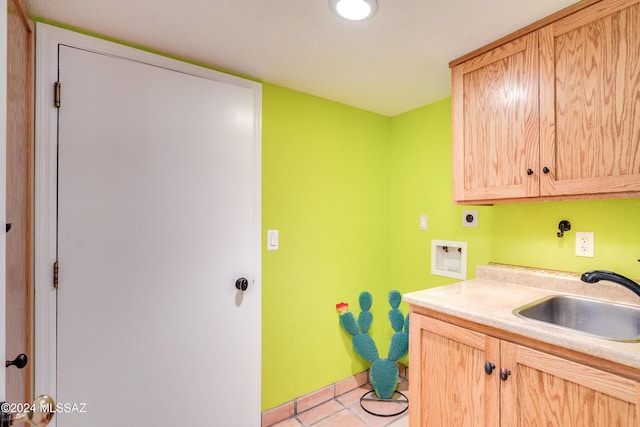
<point x="601" y="319"/>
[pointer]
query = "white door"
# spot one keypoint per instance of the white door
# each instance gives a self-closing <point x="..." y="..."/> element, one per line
<point x="156" y="218"/>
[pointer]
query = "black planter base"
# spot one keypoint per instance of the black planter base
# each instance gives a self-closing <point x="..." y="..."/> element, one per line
<point x="397" y="405"/>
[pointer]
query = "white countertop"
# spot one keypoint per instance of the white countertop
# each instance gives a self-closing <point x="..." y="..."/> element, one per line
<point x="490" y="298"/>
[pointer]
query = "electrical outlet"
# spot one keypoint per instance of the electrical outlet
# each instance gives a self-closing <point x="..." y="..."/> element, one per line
<point x="584" y="244"/>
<point x="470" y="218"/>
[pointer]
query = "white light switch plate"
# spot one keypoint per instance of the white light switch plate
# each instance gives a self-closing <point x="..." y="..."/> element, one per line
<point x="272" y="240"/>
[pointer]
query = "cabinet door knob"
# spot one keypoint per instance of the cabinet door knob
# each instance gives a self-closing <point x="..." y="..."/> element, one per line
<point x="546" y="169"/>
<point x="529" y="171"/>
<point x="489" y="367"/>
<point x="504" y="374"/>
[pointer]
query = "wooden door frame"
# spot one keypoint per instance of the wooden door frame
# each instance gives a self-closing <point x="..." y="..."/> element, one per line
<point x="48" y="38"/>
<point x="19" y="199"/>
<point x="3" y="186"/>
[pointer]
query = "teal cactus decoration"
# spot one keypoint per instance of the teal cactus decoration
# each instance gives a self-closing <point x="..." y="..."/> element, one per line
<point x="384" y="371"/>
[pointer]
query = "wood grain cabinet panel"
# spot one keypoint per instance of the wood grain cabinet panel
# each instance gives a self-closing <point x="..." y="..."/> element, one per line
<point x="554" y="113"/>
<point x="544" y="390"/>
<point x="590" y="108"/>
<point x="496" y="122"/>
<point x="450" y="386"/>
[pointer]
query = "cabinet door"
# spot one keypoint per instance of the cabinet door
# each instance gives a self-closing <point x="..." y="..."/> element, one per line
<point x="590" y="100"/>
<point x="496" y="123"/>
<point x="448" y="385"/>
<point x="545" y="390"/>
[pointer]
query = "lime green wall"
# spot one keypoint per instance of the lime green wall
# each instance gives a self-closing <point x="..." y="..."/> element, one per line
<point x="420" y="159"/>
<point x="512" y="233"/>
<point x="346" y="188"/>
<point x="525" y="234"/>
<point x="326" y="189"/>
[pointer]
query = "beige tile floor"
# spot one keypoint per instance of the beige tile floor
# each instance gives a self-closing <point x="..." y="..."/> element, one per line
<point x="345" y="411"/>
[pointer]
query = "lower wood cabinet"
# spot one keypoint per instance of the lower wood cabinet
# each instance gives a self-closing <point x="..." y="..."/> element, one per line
<point x="460" y="377"/>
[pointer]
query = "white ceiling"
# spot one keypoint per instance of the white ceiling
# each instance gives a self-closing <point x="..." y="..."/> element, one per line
<point x="392" y="63"/>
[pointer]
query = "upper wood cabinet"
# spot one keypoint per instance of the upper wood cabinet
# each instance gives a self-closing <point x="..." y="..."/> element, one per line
<point x="590" y="100"/>
<point x="495" y="122"/>
<point x="554" y="113"/>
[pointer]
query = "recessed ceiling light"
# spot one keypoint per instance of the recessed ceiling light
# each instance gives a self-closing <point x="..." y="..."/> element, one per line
<point x="354" y="10"/>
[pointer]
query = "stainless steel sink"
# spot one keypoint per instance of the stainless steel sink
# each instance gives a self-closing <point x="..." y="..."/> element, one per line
<point x="601" y="319"/>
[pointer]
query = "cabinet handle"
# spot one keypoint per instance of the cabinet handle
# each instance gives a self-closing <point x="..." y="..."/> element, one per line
<point x="489" y="367"/>
<point x="529" y="171"/>
<point x="504" y="374"/>
<point x="546" y="169"/>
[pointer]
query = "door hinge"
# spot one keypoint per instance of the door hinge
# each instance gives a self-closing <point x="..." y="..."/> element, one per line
<point x="56" y="270"/>
<point x="56" y="94"/>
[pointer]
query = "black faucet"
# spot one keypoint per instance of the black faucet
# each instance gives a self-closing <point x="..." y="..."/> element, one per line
<point x="595" y="276"/>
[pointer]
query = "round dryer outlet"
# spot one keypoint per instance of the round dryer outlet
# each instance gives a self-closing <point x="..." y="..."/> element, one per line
<point x="470" y="218"/>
